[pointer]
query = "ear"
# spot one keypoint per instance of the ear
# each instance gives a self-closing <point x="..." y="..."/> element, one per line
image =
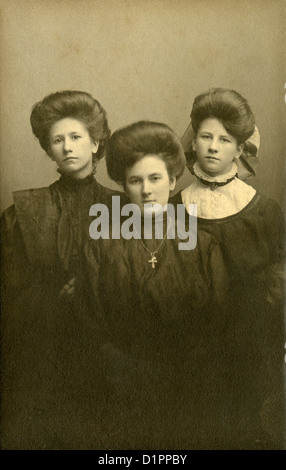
<point x="194" y="144"/>
<point x="173" y="182"/>
<point x="239" y="150"/>
<point x="95" y="146"/>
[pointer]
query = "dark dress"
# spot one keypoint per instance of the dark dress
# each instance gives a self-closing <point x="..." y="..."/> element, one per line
<point x="252" y="244"/>
<point x="45" y="338"/>
<point x="160" y="341"/>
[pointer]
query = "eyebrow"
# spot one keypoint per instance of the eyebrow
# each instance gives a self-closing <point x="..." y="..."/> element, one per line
<point x="69" y="133"/>
<point x="140" y="176"/>
<point x="221" y="135"/>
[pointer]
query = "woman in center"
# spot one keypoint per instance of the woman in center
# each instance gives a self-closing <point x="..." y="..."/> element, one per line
<point x="157" y="308"/>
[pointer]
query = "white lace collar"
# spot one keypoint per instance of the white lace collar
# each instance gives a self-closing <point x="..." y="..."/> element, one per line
<point x="199" y="173"/>
<point x="217" y="202"/>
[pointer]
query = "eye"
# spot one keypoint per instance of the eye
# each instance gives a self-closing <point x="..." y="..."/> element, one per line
<point x="155" y="178"/>
<point x="57" y="140"/>
<point x="134" y="181"/>
<point x="76" y="137"/>
<point x="205" y="136"/>
<point x="224" y="139"/>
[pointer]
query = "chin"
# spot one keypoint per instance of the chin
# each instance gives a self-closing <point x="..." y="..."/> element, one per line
<point x="153" y="211"/>
<point x="209" y="172"/>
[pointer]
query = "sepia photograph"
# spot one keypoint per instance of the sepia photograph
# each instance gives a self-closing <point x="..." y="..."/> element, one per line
<point x="142" y="179"/>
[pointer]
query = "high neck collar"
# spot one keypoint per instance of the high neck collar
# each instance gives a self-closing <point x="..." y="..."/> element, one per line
<point x="73" y="184"/>
<point x="214" y="181"/>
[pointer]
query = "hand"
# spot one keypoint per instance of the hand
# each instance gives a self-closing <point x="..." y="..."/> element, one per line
<point x="67" y="291"/>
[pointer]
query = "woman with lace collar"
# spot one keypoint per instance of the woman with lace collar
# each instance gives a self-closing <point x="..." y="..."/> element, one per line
<point x="250" y="226"/>
<point x="250" y="230"/>
<point x="42" y="236"/>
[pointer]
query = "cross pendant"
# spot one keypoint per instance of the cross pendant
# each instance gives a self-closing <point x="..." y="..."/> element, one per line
<point x="153" y="260"/>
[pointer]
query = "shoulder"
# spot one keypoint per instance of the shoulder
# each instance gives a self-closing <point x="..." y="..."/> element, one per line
<point x="32" y="200"/>
<point x="267" y="204"/>
<point x="266" y="210"/>
<point x="272" y="215"/>
<point x="8" y="212"/>
<point x="105" y="195"/>
<point x="190" y="189"/>
<point x="25" y="201"/>
<point x="241" y="189"/>
<point x="8" y="219"/>
<point x="31" y="193"/>
<point x="106" y="190"/>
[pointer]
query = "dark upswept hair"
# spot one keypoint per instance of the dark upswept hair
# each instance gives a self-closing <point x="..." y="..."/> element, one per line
<point x="229" y="107"/>
<point x="131" y="143"/>
<point x="74" y="104"/>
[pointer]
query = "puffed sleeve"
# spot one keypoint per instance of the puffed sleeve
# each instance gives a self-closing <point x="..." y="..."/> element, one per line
<point x="275" y="230"/>
<point x="271" y="278"/>
<point x="256" y="325"/>
<point x="16" y="271"/>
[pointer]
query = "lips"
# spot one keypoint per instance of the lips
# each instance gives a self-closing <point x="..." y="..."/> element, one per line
<point x="209" y="157"/>
<point x="68" y="159"/>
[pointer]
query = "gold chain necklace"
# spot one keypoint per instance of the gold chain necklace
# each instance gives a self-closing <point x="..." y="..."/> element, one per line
<point x="153" y="259"/>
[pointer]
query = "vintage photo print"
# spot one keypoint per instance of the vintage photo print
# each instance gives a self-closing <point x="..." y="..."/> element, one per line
<point x="142" y="176"/>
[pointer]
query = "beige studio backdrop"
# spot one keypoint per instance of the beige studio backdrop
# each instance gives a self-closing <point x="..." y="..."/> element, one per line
<point x="142" y="59"/>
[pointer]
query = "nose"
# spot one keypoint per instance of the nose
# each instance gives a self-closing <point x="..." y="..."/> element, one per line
<point x="67" y="145"/>
<point x="146" y="187"/>
<point x="213" y="147"/>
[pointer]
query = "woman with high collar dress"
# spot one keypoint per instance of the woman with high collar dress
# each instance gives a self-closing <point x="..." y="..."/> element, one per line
<point x="158" y="307"/>
<point x="42" y="235"/>
<point x="250" y="230"/>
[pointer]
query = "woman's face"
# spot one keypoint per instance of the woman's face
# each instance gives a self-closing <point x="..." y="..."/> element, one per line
<point x="71" y="147"/>
<point x="148" y="182"/>
<point x="215" y="147"/>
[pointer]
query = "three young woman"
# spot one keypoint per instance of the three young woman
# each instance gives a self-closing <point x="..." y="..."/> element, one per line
<point x="161" y="347"/>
